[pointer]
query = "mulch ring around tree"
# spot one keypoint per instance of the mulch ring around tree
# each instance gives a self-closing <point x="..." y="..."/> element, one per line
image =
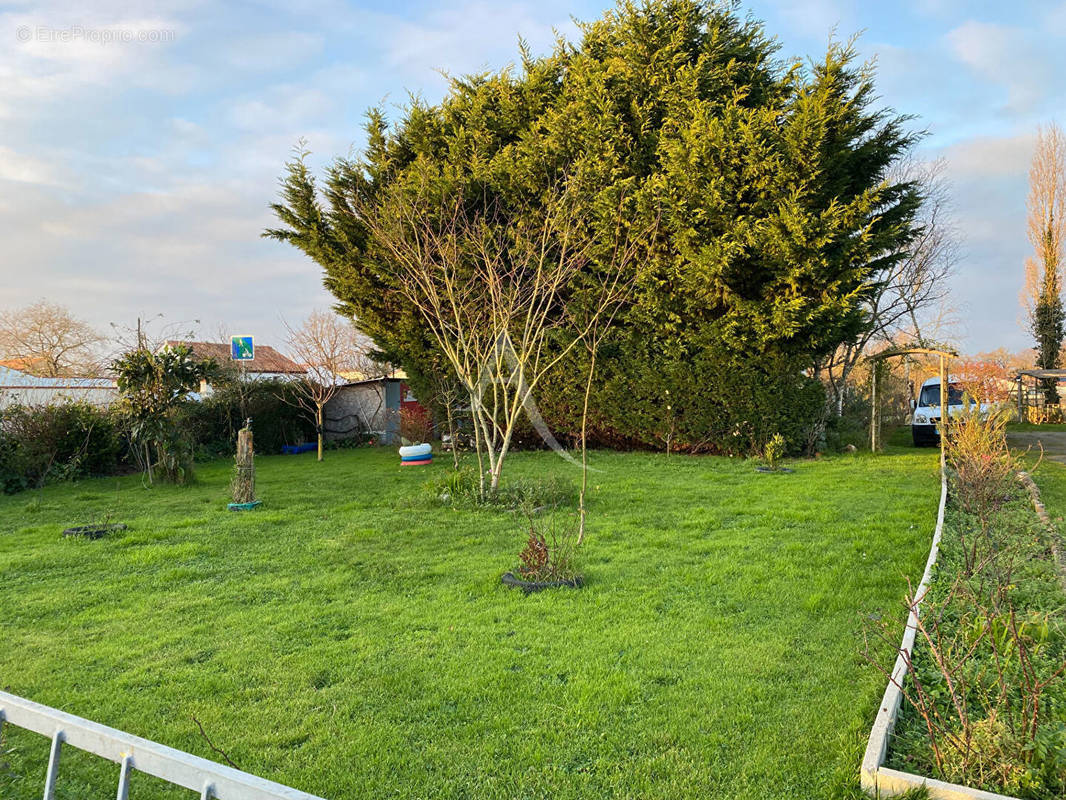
<point x="93" y="531"/>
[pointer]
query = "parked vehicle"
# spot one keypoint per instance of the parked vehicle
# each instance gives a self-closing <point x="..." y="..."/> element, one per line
<point x="926" y="417"/>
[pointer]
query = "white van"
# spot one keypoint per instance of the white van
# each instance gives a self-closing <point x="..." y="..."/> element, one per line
<point x="926" y="416"/>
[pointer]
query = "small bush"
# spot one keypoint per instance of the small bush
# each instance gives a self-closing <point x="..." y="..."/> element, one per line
<point x="349" y="442"/>
<point x="851" y="427"/>
<point x="983" y="465"/>
<point x="460" y="488"/>
<point x="12" y="477"/>
<point x="550" y="550"/>
<point x="416" y="426"/>
<point x="51" y="443"/>
<point x="774" y="450"/>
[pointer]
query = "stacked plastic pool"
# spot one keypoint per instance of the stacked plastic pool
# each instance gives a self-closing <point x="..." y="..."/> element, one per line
<point x="416" y="455"/>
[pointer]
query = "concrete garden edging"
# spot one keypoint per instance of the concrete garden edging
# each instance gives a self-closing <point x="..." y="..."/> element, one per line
<point x="877" y="779"/>
<point x="1057" y="550"/>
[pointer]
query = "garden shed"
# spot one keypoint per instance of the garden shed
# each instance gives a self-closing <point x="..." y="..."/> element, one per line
<point x="370" y="406"/>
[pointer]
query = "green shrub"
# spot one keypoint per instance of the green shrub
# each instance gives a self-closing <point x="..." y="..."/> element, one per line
<point x="459" y="488"/>
<point x="774" y="450"/>
<point x="850" y="428"/>
<point x="12" y="476"/>
<point x="276" y="420"/>
<point x="49" y="443"/>
<point x="348" y="442"/>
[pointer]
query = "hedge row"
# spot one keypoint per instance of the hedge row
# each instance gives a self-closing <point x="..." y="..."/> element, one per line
<point x="50" y="443"/>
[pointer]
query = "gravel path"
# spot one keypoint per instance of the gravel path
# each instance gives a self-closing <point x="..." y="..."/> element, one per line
<point x="1053" y="442"/>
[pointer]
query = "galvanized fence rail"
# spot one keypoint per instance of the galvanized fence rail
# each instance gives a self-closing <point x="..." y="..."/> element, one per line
<point x="133" y="753"/>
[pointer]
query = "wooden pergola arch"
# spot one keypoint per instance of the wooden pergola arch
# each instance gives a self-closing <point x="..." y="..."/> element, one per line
<point x="943" y="352"/>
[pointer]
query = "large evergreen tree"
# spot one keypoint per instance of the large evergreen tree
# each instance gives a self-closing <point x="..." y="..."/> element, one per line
<point x="768" y="178"/>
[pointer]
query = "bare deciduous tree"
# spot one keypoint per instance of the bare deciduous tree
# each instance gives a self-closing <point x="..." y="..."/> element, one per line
<point x="48" y="340"/>
<point x="490" y="291"/>
<point x="1046" y="205"/>
<point x="595" y="317"/>
<point x="329" y="347"/>
<point x="908" y="304"/>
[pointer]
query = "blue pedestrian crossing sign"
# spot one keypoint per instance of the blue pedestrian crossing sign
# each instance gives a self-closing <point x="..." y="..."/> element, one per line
<point x="241" y="348"/>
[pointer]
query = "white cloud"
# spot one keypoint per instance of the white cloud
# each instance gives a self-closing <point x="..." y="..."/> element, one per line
<point x="193" y="251"/>
<point x="272" y="51"/>
<point x="286" y="107"/>
<point x="991" y="156"/>
<point x="468" y="37"/>
<point x="1005" y="55"/>
<point x="23" y="168"/>
<point x="47" y="59"/>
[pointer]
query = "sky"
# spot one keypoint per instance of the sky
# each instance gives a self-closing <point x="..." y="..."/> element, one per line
<point x="141" y="142"/>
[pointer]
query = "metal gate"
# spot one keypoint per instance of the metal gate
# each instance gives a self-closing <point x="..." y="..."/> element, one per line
<point x="133" y="753"/>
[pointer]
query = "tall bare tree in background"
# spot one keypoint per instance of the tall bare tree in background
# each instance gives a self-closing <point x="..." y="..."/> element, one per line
<point x="1043" y="271"/>
<point x="47" y="340"/>
<point x="908" y="305"/>
<point x="331" y="348"/>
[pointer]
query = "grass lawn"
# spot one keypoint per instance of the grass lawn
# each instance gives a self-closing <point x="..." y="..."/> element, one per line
<point x="353" y="640"/>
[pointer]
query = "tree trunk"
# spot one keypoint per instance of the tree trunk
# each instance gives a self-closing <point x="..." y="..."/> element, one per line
<point x="318" y="425"/>
<point x="479" y="446"/>
<point x="584" y="452"/>
<point x="497" y="467"/>
<point x="451" y="434"/>
<point x="244" y="479"/>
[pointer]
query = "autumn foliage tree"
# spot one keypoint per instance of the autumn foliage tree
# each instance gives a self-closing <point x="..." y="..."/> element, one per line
<point x="984" y="381"/>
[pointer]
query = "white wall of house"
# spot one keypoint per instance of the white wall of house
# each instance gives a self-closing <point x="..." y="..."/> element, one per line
<point x="19" y="388"/>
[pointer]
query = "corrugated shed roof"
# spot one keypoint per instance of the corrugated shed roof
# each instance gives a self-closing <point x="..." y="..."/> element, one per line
<point x="13" y="379"/>
<point x="267" y="359"/>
